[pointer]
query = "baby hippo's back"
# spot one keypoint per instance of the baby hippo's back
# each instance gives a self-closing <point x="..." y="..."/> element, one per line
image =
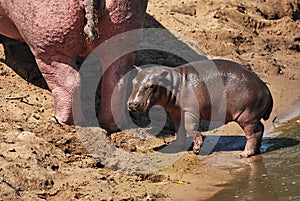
<point x="221" y="85"/>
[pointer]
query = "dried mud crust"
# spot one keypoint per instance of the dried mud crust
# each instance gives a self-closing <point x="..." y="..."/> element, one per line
<point x="40" y="159"/>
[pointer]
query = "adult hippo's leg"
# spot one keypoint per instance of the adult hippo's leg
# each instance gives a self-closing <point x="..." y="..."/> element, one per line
<point x="123" y="16"/>
<point x="254" y="133"/>
<point x="113" y="93"/>
<point x="62" y="77"/>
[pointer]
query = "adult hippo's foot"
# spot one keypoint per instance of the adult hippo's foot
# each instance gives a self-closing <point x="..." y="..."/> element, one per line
<point x="62" y="77"/>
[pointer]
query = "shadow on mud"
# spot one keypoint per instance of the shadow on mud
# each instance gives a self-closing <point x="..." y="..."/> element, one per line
<point x="272" y="144"/>
<point x="19" y="58"/>
<point x="237" y="143"/>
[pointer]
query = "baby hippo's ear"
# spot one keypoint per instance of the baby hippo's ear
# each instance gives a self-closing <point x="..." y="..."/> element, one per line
<point x="137" y="68"/>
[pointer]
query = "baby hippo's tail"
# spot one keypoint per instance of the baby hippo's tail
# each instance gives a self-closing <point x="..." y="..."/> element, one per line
<point x="269" y="109"/>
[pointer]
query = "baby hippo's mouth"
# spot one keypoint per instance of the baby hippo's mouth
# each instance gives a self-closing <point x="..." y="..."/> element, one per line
<point x="141" y="106"/>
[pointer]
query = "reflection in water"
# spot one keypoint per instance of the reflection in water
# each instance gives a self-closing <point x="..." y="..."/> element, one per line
<point x="274" y="175"/>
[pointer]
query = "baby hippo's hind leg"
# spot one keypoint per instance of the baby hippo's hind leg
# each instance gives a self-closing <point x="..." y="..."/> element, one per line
<point x="254" y="133"/>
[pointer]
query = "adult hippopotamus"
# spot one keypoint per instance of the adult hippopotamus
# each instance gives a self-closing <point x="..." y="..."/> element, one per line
<point x="185" y="93"/>
<point x="59" y="31"/>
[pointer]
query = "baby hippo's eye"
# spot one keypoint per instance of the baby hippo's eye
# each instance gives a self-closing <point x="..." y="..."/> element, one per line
<point x="147" y="87"/>
<point x="153" y="87"/>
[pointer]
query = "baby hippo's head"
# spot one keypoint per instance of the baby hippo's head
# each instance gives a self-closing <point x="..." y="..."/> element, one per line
<point x="149" y="89"/>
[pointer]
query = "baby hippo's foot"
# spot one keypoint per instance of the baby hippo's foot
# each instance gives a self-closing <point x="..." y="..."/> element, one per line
<point x="247" y="153"/>
<point x="251" y="149"/>
<point x="198" y="141"/>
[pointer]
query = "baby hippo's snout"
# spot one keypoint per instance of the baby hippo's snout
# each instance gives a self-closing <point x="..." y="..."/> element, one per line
<point x="133" y="105"/>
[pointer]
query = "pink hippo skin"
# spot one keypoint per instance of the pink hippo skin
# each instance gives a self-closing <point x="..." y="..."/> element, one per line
<point x="54" y="31"/>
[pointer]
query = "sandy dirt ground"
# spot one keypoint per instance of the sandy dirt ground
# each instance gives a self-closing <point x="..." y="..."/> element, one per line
<point x="41" y="160"/>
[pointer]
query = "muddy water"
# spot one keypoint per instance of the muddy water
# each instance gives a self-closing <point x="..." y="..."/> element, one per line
<point x="273" y="175"/>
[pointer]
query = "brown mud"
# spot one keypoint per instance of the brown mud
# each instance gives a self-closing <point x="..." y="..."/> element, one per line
<point x="42" y="160"/>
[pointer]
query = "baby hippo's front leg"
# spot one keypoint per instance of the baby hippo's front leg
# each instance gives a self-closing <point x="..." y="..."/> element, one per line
<point x="192" y="123"/>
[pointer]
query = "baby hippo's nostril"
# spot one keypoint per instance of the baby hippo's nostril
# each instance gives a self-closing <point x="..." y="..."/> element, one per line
<point x="133" y="105"/>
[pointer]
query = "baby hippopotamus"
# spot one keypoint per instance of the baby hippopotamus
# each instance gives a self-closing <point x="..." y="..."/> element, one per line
<point x="199" y="90"/>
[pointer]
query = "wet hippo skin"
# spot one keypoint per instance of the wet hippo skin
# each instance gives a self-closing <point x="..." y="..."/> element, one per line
<point x="191" y="93"/>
